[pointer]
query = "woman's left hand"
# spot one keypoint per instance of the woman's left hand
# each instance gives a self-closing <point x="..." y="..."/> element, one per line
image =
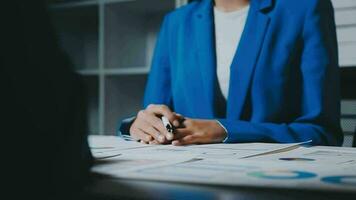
<point x="196" y="131"/>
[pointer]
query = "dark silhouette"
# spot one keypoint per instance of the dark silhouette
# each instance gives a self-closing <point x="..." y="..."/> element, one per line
<point x="43" y="109"/>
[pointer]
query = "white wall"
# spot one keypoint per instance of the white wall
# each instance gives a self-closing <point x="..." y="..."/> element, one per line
<point x="345" y="17"/>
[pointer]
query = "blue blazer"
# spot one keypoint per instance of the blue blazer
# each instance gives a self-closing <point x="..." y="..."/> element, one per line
<point x="284" y="83"/>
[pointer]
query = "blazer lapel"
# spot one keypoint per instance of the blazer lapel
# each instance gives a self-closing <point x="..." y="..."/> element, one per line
<point x="205" y="39"/>
<point x="246" y="57"/>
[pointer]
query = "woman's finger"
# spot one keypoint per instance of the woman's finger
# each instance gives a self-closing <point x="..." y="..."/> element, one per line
<point x="138" y="134"/>
<point x="150" y="130"/>
<point x="190" y="139"/>
<point x="181" y="119"/>
<point x="147" y="128"/>
<point x="165" y="111"/>
<point x="153" y="142"/>
<point x="161" y="132"/>
<point x="181" y="132"/>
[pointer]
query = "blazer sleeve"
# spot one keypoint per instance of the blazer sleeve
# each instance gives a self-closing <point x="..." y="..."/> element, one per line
<point x="320" y="109"/>
<point x="158" y="87"/>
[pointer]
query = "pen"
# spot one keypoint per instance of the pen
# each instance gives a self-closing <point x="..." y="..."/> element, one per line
<point x="166" y="124"/>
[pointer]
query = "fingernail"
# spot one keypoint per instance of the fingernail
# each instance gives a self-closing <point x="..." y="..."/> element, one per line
<point x="169" y="136"/>
<point x="161" y="138"/>
<point x="175" y="123"/>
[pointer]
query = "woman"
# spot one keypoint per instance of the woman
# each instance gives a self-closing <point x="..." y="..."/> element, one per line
<point x="243" y="71"/>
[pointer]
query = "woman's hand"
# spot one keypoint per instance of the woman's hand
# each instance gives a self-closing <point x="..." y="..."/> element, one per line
<point x="148" y="126"/>
<point x="195" y="131"/>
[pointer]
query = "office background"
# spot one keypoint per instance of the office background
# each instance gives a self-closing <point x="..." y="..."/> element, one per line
<point x="111" y="43"/>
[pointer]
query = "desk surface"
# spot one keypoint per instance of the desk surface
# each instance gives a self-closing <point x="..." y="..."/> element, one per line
<point x="108" y="188"/>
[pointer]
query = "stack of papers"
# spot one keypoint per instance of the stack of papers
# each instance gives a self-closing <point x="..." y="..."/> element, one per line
<point x="249" y="164"/>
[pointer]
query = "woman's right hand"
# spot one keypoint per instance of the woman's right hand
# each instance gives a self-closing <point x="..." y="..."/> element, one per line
<point x="148" y="127"/>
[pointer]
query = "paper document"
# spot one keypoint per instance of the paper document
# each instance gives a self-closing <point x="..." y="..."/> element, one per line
<point x="248" y="164"/>
<point x="104" y="146"/>
<point x="253" y="173"/>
